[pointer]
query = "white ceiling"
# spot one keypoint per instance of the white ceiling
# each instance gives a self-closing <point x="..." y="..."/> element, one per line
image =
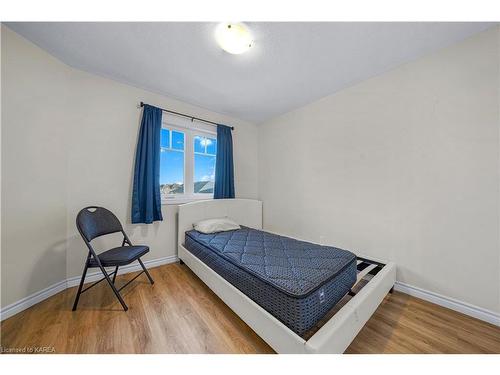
<point x="291" y="64"/>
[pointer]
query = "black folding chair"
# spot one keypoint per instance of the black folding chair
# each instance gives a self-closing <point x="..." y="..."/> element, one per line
<point x="93" y="222"/>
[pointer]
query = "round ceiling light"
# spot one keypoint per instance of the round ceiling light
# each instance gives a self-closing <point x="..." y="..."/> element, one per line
<point x="234" y="38"/>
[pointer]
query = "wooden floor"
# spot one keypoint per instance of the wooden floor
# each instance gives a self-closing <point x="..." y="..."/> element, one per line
<point x="179" y="314"/>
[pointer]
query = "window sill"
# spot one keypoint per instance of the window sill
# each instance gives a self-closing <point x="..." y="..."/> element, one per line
<point x="186" y="199"/>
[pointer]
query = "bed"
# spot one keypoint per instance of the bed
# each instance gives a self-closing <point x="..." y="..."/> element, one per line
<point x="282" y="287"/>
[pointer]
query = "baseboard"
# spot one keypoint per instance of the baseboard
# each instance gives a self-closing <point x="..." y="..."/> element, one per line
<point x="37" y="297"/>
<point x="96" y="275"/>
<point x="31" y="300"/>
<point x="450" y="303"/>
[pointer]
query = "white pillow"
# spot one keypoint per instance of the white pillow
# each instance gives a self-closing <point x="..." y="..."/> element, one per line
<point x="222" y="224"/>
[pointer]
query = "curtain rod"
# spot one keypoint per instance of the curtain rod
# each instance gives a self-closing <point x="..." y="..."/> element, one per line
<point x="188" y="116"/>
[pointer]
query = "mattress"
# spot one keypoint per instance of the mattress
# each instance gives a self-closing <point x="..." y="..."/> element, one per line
<point x="295" y="281"/>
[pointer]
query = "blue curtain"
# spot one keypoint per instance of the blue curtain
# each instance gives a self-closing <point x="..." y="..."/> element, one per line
<point x="224" y="170"/>
<point x="146" y="199"/>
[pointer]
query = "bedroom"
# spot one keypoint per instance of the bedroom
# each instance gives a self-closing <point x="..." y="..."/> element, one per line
<point x="290" y="187"/>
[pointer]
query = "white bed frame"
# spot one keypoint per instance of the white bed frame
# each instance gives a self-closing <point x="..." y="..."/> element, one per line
<point x="333" y="337"/>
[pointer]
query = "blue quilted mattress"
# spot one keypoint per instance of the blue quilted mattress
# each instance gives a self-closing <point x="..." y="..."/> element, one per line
<point x="297" y="282"/>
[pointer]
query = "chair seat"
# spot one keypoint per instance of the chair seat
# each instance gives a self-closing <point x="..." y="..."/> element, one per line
<point x="120" y="256"/>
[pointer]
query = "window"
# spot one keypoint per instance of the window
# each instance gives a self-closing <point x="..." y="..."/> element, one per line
<point x="171" y="162"/>
<point x="187" y="160"/>
<point x="205" y="149"/>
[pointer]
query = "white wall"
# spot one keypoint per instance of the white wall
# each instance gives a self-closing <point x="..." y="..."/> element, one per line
<point x="404" y="167"/>
<point x="34" y="169"/>
<point x="68" y="141"/>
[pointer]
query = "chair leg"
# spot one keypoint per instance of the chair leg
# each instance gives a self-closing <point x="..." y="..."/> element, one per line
<point x="146" y="271"/>
<point x="117" y="293"/>
<point x="114" y="275"/>
<point x="75" y="304"/>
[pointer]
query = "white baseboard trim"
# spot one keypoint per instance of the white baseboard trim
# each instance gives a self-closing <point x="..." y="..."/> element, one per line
<point x="31" y="300"/>
<point x="37" y="297"/>
<point x="94" y="276"/>
<point x="450" y="303"/>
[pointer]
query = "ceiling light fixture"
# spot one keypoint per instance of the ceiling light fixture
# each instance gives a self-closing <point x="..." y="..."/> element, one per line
<point x="234" y="38"/>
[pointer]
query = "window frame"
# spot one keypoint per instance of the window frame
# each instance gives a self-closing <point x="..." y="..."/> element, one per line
<point x="190" y="130"/>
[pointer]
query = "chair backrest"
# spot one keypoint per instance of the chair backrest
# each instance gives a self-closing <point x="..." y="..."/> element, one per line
<point x="94" y="221"/>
